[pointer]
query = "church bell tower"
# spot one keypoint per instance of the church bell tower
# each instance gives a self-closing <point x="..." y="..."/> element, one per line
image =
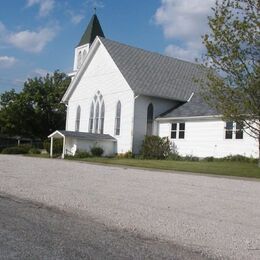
<point x="93" y="29"/>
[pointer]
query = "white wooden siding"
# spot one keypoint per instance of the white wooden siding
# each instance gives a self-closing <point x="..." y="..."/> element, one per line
<point x="102" y="74"/>
<point x="140" y="117"/>
<point x="85" y="145"/>
<point x="207" y="138"/>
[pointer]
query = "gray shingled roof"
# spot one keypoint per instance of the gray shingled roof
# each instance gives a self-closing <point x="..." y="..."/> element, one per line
<point x="88" y="136"/>
<point x="152" y="74"/>
<point x="195" y="107"/>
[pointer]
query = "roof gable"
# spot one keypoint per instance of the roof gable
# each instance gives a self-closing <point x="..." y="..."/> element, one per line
<point x="147" y="73"/>
<point x="97" y="44"/>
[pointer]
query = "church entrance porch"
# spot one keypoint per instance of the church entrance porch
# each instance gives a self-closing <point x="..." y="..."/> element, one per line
<point x="81" y="141"/>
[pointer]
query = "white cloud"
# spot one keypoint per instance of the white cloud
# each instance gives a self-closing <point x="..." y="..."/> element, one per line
<point x="75" y="18"/>
<point x="41" y="72"/>
<point x="2" y="32"/>
<point x="32" y="41"/>
<point x="7" y="61"/>
<point x="184" y="21"/>
<point x="95" y="3"/>
<point x="2" y="28"/>
<point x="45" y="6"/>
<point x="181" y="53"/>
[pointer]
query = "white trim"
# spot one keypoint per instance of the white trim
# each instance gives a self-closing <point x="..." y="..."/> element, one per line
<point x="51" y="148"/>
<point x="63" y="148"/>
<point x="188" y="118"/>
<point x="81" y="70"/>
<point x="56" y="132"/>
<point x="190" y="97"/>
<point x="72" y="74"/>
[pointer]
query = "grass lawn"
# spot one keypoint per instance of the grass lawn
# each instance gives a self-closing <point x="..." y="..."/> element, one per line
<point x="238" y="169"/>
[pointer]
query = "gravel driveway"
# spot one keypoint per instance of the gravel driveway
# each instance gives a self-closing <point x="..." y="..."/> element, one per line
<point x="217" y="216"/>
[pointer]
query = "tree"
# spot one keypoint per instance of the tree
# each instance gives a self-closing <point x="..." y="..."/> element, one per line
<point x="36" y="111"/>
<point x="233" y="52"/>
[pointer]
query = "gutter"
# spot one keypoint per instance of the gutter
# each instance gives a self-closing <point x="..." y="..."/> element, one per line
<point x="189" y="118"/>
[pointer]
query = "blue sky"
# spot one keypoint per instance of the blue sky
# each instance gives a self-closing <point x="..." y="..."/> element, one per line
<point x="39" y="36"/>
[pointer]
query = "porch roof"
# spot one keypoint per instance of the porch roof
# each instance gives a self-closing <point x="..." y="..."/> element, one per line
<point x="82" y="135"/>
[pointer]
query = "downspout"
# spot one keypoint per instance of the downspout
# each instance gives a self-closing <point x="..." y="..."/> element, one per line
<point x="133" y="120"/>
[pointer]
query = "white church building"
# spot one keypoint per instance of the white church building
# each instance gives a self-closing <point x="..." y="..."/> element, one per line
<point x="119" y="94"/>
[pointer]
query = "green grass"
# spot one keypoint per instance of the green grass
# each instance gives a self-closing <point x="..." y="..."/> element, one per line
<point x="226" y="168"/>
<point x="238" y="169"/>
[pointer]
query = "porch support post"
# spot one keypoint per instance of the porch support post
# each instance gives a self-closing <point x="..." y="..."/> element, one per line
<point x="51" y="147"/>
<point x="63" y="148"/>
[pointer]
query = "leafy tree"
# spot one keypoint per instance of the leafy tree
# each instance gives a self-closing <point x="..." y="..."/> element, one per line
<point x="36" y="111"/>
<point x="233" y="52"/>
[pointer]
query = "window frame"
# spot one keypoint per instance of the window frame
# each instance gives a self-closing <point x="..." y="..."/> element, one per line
<point x="97" y="114"/>
<point x="77" y="120"/>
<point x="149" y="119"/>
<point x="178" y="132"/>
<point x="236" y="131"/>
<point x="79" y="59"/>
<point x="102" y="117"/>
<point x="117" y="129"/>
<point x="91" y="118"/>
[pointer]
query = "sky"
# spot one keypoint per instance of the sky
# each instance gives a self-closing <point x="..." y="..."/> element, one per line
<point x="39" y="36"/>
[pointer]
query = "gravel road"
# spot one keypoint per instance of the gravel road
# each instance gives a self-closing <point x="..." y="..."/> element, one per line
<point x="219" y="217"/>
<point x="33" y="231"/>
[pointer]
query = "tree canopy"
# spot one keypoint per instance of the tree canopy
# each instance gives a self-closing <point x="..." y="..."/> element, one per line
<point x="233" y="52"/>
<point x="36" y="111"/>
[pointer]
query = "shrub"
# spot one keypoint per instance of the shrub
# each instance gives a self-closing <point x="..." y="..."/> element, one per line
<point x="175" y="157"/>
<point x="26" y="147"/>
<point x="34" y="151"/>
<point x="155" y="147"/>
<point x="126" y="155"/>
<point x="191" y="158"/>
<point x="209" y="159"/>
<point x="238" y="158"/>
<point x="57" y="146"/>
<point x="15" y="150"/>
<point x="82" y="154"/>
<point x="97" y="151"/>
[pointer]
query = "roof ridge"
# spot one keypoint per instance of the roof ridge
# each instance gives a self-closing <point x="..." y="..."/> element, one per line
<point x="153" y="74"/>
<point x="148" y="51"/>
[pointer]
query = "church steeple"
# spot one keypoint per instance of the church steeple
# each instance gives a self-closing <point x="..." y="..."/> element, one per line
<point x="93" y="30"/>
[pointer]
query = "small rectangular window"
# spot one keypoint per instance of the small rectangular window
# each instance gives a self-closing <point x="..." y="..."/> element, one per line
<point x="239" y="131"/>
<point x="181" y="130"/>
<point x="174" y="131"/>
<point x="173" y="135"/>
<point x="233" y="130"/>
<point x="178" y="130"/>
<point x="229" y="130"/>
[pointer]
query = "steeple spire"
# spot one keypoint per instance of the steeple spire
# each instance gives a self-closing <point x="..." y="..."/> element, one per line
<point x="94" y="29"/>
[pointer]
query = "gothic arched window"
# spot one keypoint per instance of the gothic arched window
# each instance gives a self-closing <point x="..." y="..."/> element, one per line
<point x="97" y="114"/>
<point x="102" y="118"/>
<point x="118" y="118"/>
<point x="84" y="54"/>
<point x="77" y="121"/>
<point x="79" y="60"/>
<point x="149" y="129"/>
<point x="91" y="118"/>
